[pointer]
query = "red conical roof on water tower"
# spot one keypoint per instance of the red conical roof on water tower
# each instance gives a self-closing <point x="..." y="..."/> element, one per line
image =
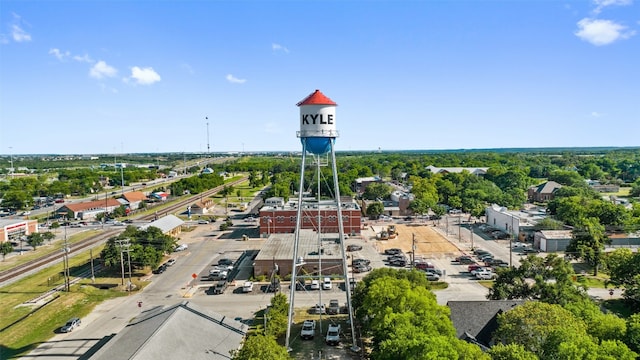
<point x="316" y="98"/>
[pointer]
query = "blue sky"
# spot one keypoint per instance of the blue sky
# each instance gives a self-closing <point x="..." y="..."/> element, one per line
<point x="143" y="76"/>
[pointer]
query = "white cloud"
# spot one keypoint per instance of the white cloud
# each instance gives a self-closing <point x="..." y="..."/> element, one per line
<point x="596" y="114"/>
<point x="601" y="4"/>
<point x="144" y="76"/>
<point x="59" y="54"/>
<point x="234" y="80"/>
<point x="602" y="32"/>
<point x="83" y="58"/>
<point x="278" y="47"/>
<point x="19" y="35"/>
<point x="101" y="70"/>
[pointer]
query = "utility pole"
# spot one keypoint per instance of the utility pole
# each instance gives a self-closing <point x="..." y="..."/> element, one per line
<point x="413" y="249"/>
<point x="93" y="276"/>
<point x="65" y="261"/>
<point x="121" y="245"/>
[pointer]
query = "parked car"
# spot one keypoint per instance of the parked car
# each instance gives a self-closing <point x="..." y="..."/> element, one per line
<point x="333" y="334"/>
<point x="318" y="309"/>
<point x="225" y="263"/>
<point x="334" y="307"/>
<point x="220" y="287"/>
<point x="308" y="330"/>
<point x="473" y="266"/>
<point x="315" y="285"/>
<point x="361" y="268"/>
<point x="218" y="274"/>
<point x="326" y="284"/>
<point x="422" y="265"/>
<point x="160" y="269"/>
<point x="360" y="261"/>
<point x="181" y="247"/>
<point x="530" y="250"/>
<point x="203" y="222"/>
<point x="70" y="325"/>
<point x="398" y="262"/>
<point x="433" y="271"/>
<point x="171" y="262"/>
<point x="432" y="276"/>
<point x="392" y="251"/>
<point x="354" y="247"/>
<point x="486" y="276"/>
<point x="483" y="270"/>
<point x="247" y="287"/>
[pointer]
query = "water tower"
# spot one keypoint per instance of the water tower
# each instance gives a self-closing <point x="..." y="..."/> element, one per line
<point x="317" y="135"/>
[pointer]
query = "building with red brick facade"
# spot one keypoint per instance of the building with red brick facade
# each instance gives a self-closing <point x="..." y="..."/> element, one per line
<point x="282" y="219"/>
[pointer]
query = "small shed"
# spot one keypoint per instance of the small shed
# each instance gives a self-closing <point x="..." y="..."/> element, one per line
<point x="552" y="240"/>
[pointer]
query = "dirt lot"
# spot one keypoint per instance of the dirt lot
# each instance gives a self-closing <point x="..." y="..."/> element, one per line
<point x="429" y="243"/>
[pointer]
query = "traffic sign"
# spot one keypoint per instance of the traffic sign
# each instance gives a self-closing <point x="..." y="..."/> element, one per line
<point x="194" y="275"/>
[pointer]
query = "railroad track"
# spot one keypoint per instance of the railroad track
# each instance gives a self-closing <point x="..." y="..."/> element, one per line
<point x="181" y="204"/>
<point x="52" y="257"/>
<point x="18" y="271"/>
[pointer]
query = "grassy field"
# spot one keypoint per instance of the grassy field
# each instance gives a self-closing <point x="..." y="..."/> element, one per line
<point x="22" y="328"/>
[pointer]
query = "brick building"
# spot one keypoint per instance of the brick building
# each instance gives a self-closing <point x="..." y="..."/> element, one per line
<point x="282" y="219"/>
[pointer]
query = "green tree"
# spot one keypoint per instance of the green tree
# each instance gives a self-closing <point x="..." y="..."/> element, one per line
<point x="535" y="325"/>
<point x="633" y="332"/>
<point x="260" y="347"/>
<point x="48" y="236"/>
<point x="587" y="242"/>
<point x="548" y="279"/>
<point x="375" y="209"/>
<point x="510" y="352"/>
<point x="16" y="199"/>
<point x="5" y="248"/>
<point x="277" y="316"/>
<point x="35" y="239"/>
<point x="377" y="191"/>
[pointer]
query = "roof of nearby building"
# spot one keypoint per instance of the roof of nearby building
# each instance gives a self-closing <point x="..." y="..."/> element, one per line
<point x="9" y="222"/>
<point x="280" y="246"/>
<point x="133" y="196"/>
<point x="527" y="217"/>
<point x="96" y="204"/>
<point x="547" y="187"/>
<point x="472" y="170"/>
<point x="316" y="98"/>
<point x="309" y="205"/>
<point x="367" y="179"/>
<point x="165" y="224"/>
<point x="180" y="331"/>
<point x="479" y="318"/>
<point x="556" y="234"/>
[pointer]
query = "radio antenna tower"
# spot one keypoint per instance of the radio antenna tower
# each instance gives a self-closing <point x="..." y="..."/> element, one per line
<point x="208" y="148"/>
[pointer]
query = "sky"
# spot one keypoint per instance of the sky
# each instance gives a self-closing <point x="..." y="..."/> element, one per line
<point x="104" y="77"/>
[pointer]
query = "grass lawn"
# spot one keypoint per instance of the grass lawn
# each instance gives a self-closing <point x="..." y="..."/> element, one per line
<point x="18" y="335"/>
<point x="623" y="192"/>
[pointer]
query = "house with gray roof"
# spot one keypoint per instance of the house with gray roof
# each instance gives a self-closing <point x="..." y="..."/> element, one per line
<point x="476" y="321"/>
<point x="181" y="331"/>
<point x="543" y="192"/>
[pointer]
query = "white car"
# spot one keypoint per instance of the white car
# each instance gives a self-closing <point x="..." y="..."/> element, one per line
<point x="247" y="287"/>
<point x="181" y="247"/>
<point x="518" y="244"/>
<point x="315" y="285"/>
<point x="326" y="284"/>
<point x="308" y="329"/>
<point x="333" y="334"/>
<point x="486" y="276"/>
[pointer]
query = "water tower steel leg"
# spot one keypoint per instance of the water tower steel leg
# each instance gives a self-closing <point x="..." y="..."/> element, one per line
<point x="294" y="268"/>
<point x="347" y="285"/>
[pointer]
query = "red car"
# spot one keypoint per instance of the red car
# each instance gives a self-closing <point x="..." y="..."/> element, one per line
<point x="473" y="267"/>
